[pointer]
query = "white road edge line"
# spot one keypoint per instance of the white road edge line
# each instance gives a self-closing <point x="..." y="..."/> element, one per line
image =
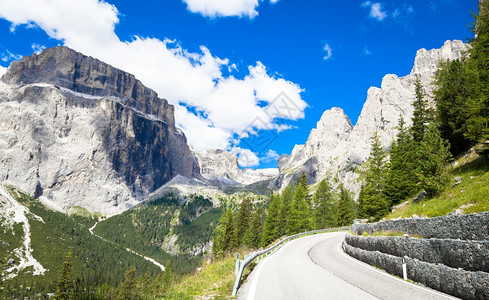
<point x="254" y="283"/>
<point x="392" y="276"/>
<point x="252" y="290"/>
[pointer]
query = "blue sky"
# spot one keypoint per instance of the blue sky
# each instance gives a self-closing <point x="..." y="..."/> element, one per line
<point x="223" y="63"/>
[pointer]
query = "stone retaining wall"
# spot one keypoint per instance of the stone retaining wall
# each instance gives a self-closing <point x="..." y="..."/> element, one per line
<point x="468" y="255"/>
<point x="464" y="227"/>
<point x="459" y="283"/>
<point x="452" y="256"/>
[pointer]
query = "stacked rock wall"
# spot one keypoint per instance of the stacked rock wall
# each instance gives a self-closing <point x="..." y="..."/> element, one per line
<point x="452" y="256"/>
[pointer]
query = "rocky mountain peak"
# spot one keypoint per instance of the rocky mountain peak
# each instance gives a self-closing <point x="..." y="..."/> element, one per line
<point x="64" y="67"/>
<point x="78" y="132"/>
<point x="335" y="149"/>
<point x="426" y="61"/>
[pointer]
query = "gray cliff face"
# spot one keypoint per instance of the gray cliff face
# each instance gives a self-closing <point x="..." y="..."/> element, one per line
<point x="75" y="131"/>
<point x="220" y="168"/>
<point x="336" y="148"/>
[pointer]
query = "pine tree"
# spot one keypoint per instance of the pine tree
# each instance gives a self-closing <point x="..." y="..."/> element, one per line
<point x="304" y="210"/>
<point x="422" y="114"/>
<point x="478" y="66"/>
<point x="217" y="248"/>
<point x="374" y="202"/>
<point x="451" y="91"/>
<point x="228" y="242"/>
<point x="284" y="211"/>
<point x="65" y="285"/>
<point x="253" y="235"/>
<point x="299" y="212"/>
<point x="346" y="208"/>
<point x="243" y="220"/>
<point x="302" y="181"/>
<point x="325" y="210"/>
<point x="400" y="181"/>
<point x="270" y="228"/>
<point x="129" y="289"/>
<point x="435" y="155"/>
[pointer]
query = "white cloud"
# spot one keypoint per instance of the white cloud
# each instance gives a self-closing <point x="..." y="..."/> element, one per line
<point x="225" y="8"/>
<point x="246" y="158"/>
<point x="403" y="12"/>
<point x="37" y="48"/>
<point x="8" y="56"/>
<point x="376" y="10"/>
<point x="2" y="70"/>
<point x="329" y="52"/>
<point x="271" y="155"/>
<point x="366" y="52"/>
<point x="225" y="105"/>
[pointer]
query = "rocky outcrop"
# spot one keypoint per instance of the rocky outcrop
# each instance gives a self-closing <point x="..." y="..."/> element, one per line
<point x="78" y="132"/>
<point x="220" y="168"/>
<point x="456" y="282"/>
<point x="464" y="227"/>
<point x="452" y="256"/>
<point x="335" y="149"/>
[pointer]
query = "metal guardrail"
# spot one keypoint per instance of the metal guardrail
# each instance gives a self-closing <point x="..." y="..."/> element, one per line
<point x="242" y="264"/>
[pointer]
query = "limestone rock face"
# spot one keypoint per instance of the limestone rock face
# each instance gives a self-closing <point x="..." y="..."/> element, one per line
<point x="220" y="168"/>
<point x="335" y="149"/>
<point x="75" y="131"/>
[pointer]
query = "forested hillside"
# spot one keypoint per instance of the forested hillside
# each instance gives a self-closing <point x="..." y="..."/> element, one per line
<point x="183" y="228"/>
<point x="95" y="263"/>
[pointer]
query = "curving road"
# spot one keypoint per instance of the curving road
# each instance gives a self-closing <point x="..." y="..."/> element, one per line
<point x="315" y="267"/>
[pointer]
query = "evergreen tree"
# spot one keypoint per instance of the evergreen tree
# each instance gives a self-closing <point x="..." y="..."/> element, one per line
<point x="435" y="155"/>
<point x="346" y="208"/>
<point x="374" y="202"/>
<point x="129" y="289"/>
<point x="299" y="212"/>
<point x="253" y="234"/>
<point x="284" y="211"/>
<point x="270" y="228"/>
<point x="422" y="115"/>
<point x="65" y="284"/>
<point x="325" y="210"/>
<point x="217" y="248"/>
<point x="242" y="220"/>
<point x="228" y="242"/>
<point x="302" y="181"/>
<point x="478" y="66"/>
<point x="304" y="215"/>
<point x="400" y="181"/>
<point x="452" y="90"/>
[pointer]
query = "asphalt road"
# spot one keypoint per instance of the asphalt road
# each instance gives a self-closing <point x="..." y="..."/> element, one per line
<point x="315" y="267"/>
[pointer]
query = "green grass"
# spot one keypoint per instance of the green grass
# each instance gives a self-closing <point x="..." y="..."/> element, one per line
<point x="387" y="233"/>
<point x="214" y="281"/>
<point x="471" y="195"/>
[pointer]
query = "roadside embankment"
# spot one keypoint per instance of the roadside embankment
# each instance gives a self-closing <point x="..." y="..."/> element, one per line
<point x="452" y="256"/>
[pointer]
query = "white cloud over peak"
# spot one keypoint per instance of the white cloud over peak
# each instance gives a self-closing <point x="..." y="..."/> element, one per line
<point x="7" y="56"/>
<point x="37" y="48"/>
<point x="225" y="8"/>
<point x="2" y="70"/>
<point x="246" y="158"/>
<point x="271" y="155"/>
<point x="329" y="52"/>
<point x="376" y="10"/>
<point x="221" y="106"/>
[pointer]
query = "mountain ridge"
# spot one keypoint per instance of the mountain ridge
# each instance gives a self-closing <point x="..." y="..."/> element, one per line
<point x="337" y="160"/>
<point x="78" y="132"/>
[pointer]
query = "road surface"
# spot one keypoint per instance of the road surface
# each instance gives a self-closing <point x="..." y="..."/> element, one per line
<point x="315" y="267"/>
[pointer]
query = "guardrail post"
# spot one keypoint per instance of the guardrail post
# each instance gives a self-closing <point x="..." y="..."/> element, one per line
<point x="238" y="262"/>
<point x="404" y="268"/>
